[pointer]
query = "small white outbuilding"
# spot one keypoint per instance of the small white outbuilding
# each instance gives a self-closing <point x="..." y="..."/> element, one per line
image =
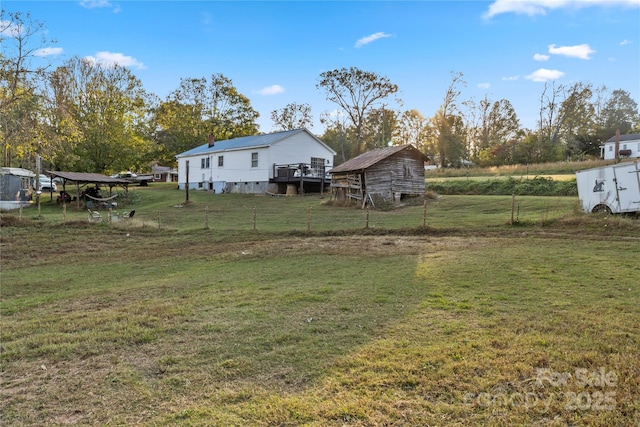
<point x="628" y="146"/>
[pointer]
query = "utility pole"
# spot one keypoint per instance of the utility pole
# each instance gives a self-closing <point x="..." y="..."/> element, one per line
<point x="187" y="184"/>
<point x="38" y="167"/>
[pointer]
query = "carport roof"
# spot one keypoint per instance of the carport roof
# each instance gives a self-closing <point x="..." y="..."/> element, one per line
<point x="83" y="177"/>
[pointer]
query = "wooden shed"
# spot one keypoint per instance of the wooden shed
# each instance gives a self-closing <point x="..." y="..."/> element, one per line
<point x="388" y="174"/>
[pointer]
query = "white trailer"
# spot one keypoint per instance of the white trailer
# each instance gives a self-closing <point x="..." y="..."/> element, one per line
<point x="610" y="189"/>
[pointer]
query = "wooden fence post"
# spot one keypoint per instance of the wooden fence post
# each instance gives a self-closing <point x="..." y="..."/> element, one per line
<point x="254" y="218"/>
<point x="424" y="214"/>
<point x="513" y="205"/>
<point x="366" y="225"/>
<point x="186" y="186"/>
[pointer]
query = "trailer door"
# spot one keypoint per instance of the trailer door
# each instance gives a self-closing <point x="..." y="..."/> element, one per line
<point x="627" y="179"/>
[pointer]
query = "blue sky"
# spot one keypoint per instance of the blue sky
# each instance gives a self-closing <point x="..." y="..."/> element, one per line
<point x="274" y="52"/>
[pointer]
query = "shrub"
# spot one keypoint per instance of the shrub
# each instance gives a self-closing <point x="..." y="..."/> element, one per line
<point x="538" y="186"/>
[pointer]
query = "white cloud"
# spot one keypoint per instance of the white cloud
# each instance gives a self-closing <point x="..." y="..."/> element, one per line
<point x="93" y="4"/>
<point x="484" y="85"/>
<point x="271" y="90"/>
<point x="625" y="42"/>
<point x="110" y="59"/>
<point x="541" y="57"/>
<point x="9" y="29"/>
<point x="373" y="37"/>
<point x="47" y="51"/>
<point x="540" y="7"/>
<point x="581" y="51"/>
<point x="543" y="75"/>
<point x="510" y="78"/>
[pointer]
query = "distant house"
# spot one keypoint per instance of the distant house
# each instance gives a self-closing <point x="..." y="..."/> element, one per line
<point x="164" y="174"/>
<point x="16" y="188"/>
<point x="388" y="174"/>
<point x="628" y="146"/>
<point x="288" y="162"/>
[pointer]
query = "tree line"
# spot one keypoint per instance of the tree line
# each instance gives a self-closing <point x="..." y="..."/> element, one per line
<point x="84" y="116"/>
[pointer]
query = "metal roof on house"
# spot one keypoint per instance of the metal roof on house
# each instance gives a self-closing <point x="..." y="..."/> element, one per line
<point x="370" y="158"/>
<point x="629" y="137"/>
<point x="253" y="141"/>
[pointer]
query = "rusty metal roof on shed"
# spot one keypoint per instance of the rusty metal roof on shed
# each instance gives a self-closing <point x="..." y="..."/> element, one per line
<point x="84" y="177"/>
<point x="363" y="161"/>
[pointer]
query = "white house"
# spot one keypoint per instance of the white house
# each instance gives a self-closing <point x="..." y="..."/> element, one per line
<point x="256" y="164"/>
<point x="628" y="147"/>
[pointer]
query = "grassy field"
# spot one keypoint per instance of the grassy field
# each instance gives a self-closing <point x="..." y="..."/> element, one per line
<point x="162" y="206"/>
<point x="555" y="169"/>
<point x="313" y="319"/>
<point x="435" y="177"/>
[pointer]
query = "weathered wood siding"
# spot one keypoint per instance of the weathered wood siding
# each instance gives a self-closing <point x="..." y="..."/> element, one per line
<point x="400" y="173"/>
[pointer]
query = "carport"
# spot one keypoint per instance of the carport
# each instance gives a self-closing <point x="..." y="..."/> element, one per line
<point x="80" y="180"/>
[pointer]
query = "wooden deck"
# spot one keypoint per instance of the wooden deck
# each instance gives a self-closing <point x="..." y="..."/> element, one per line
<point x="302" y="176"/>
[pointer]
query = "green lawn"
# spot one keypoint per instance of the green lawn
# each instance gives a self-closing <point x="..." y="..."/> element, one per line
<point x="162" y="206"/>
<point x="470" y="321"/>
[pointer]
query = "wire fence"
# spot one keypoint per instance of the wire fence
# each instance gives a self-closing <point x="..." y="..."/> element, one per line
<point x="285" y="215"/>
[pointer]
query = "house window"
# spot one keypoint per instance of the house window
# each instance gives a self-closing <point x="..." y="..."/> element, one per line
<point x="220" y="161"/>
<point x="204" y="163"/>
<point x="254" y="160"/>
<point x="624" y="146"/>
<point x="317" y="166"/>
<point x="611" y="148"/>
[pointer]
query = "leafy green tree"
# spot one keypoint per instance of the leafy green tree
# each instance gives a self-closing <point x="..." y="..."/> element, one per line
<point x="378" y="128"/>
<point x="292" y="116"/>
<point x="223" y="111"/>
<point x="179" y="128"/>
<point x="102" y="114"/>
<point x="20" y="83"/>
<point x="497" y="125"/>
<point x="565" y="111"/>
<point x="337" y="134"/>
<point x="449" y="137"/>
<point x="620" y="112"/>
<point x="356" y="92"/>
<point x="414" y="129"/>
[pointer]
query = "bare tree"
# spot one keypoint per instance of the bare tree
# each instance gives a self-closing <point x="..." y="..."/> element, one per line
<point x="448" y="125"/>
<point x="356" y="91"/>
<point x="16" y="69"/>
